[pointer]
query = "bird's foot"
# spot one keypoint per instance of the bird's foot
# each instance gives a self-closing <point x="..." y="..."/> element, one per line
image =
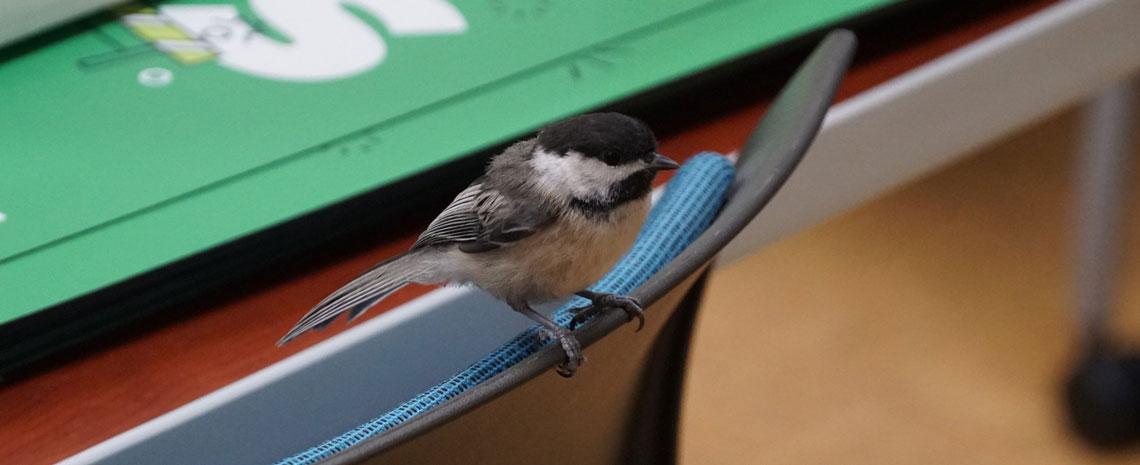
<point x="570" y="345"/>
<point x="599" y="302"/>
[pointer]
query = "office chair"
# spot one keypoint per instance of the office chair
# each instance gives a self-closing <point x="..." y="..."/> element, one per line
<point x="622" y="406"/>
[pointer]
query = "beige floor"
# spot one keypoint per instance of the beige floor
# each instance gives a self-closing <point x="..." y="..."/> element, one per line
<point x="930" y="326"/>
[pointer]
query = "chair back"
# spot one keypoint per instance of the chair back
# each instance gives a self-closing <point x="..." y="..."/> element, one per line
<point x="622" y="406"/>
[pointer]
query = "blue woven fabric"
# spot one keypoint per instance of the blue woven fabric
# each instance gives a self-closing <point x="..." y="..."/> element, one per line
<point x="688" y="206"/>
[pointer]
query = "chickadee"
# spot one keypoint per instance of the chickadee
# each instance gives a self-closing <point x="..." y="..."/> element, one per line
<point x="551" y="215"/>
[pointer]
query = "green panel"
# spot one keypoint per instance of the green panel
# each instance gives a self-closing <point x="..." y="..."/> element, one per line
<point x="154" y="134"/>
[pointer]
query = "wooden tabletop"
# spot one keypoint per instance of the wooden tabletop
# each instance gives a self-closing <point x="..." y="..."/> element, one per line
<point x="153" y="367"/>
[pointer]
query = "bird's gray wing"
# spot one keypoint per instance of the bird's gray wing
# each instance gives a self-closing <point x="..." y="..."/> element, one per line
<point x="482" y="219"/>
<point x="478" y="220"/>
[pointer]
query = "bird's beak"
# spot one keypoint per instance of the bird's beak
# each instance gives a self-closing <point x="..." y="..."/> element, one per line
<point x="661" y="162"/>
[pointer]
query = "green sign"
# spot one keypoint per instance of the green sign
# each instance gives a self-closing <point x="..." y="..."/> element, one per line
<point x="155" y="133"/>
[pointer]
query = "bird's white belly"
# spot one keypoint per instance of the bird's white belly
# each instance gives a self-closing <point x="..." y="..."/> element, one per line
<point x="563" y="258"/>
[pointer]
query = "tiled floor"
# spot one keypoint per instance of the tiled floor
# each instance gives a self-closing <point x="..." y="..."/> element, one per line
<point x="930" y="326"/>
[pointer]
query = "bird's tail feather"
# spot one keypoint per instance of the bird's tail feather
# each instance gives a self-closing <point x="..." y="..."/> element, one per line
<point x="357" y="296"/>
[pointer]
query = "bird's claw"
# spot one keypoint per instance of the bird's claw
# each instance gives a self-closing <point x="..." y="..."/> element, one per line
<point x="570" y="345"/>
<point x="629" y="305"/>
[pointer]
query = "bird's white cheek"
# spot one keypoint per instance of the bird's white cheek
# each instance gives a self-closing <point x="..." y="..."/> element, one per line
<point x="576" y="175"/>
<point x="557" y="175"/>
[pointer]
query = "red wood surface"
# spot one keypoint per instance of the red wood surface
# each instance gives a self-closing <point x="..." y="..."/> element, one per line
<point x="155" y="367"/>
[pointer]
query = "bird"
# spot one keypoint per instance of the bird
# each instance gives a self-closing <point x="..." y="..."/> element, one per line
<point x="548" y="218"/>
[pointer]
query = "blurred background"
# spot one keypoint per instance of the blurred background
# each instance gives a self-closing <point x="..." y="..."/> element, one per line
<point x="934" y="324"/>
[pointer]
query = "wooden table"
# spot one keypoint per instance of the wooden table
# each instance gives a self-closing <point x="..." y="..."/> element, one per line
<point x="153" y="367"/>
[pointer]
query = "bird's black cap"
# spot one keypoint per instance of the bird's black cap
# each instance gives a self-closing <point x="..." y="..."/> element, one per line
<point x="610" y="137"/>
